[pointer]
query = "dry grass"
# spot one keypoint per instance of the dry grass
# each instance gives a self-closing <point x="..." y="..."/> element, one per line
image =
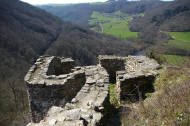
<point x="168" y="106"/>
<point x="171" y="76"/>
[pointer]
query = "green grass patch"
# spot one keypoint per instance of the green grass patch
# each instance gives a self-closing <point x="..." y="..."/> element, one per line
<point x="119" y="13"/>
<point x="115" y="24"/>
<point x="96" y="16"/>
<point x="120" y="30"/>
<point x="113" y="96"/>
<point x="140" y="15"/>
<point x="181" y="35"/>
<point x="181" y="40"/>
<point x="176" y="60"/>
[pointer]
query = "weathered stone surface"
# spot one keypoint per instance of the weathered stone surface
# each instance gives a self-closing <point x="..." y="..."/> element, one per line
<point x="128" y="87"/>
<point x="77" y="96"/>
<point x="54" y="109"/>
<point x="86" y="108"/>
<point x="90" y="81"/>
<point x="49" y="84"/>
<point x="112" y="64"/>
<point x="137" y="78"/>
<point x="59" y="66"/>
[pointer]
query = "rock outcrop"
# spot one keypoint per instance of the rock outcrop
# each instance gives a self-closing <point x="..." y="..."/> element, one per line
<point x="61" y="94"/>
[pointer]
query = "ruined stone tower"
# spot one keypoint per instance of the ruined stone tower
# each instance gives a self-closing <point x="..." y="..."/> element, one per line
<point x="61" y="94"/>
<point x="52" y="81"/>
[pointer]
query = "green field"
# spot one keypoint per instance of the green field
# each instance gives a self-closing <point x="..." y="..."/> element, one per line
<point x="113" y="97"/>
<point x="115" y="24"/>
<point x="181" y="40"/>
<point x="176" y="60"/>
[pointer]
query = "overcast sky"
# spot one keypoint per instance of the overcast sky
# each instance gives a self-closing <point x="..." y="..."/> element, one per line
<point x="60" y="1"/>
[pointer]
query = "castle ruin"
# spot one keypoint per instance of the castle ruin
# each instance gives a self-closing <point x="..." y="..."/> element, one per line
<point x="62" y="94"/>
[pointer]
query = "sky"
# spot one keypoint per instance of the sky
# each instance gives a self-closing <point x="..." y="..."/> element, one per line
<point x="37" y="2"/>
<point x="60" y="1"/>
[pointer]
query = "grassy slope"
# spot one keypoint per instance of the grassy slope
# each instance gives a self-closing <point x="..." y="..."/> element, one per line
<point x="181" y="40"/>
<point x="176" y="60"/>
<point x="114" y="25"/>
<point x="169" y="104"/>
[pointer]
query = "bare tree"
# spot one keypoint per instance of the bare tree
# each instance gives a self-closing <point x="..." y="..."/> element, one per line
<point x="12" y="86"/>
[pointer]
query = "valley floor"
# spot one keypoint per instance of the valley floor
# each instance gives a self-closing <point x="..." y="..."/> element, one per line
<point x="115" y="24"/>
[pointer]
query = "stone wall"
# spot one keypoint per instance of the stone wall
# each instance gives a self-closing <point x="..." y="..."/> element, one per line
<point x="112" y="64"/>
<point x="59" y="66"/>
<point x="132" y="86"/>
<point x="137" y="78"/>
<point x="87" y="107"/>
<point x="47" y="90"/>
<point x="78" y="95"/>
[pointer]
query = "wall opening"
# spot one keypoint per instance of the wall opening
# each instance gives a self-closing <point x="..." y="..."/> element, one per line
<point x="58" y="66"/>
<point x="135" y="88"/>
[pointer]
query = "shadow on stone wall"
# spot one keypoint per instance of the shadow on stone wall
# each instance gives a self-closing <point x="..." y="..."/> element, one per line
<point x="135" y="88"/>
<point x="112" y="64"/>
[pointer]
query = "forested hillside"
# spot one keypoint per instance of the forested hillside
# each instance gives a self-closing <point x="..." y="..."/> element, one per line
<point x="165" y="28"/>
<point x="147" y="15"/>
<point x="170" y="17"/>
<point x="26" y="32"/>
<point x="111" y="17"/>
<point x="81" y="13"/>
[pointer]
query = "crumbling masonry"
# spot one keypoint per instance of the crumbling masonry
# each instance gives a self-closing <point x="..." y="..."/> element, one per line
<point x="62" y="94"/>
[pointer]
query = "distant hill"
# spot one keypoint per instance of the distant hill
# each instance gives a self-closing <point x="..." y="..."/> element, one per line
<point x="172" y="16"/>
<point x="26" y="32"/>
<point x="77" y="13"/>
<point x="157" y="16"/>
<point x="110" y="18"/>
<point x="80" y="13"/>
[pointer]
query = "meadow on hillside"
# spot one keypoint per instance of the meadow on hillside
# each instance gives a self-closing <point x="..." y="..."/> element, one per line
<point x="115" y="24"/>
<point x="175" y="60"/>
<point x="180" y="40"/>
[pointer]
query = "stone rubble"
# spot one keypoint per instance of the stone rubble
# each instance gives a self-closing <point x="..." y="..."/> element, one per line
<point x="84" y="91"/>
<point x="46" y="90"/>
<point x="87" y="106"/>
